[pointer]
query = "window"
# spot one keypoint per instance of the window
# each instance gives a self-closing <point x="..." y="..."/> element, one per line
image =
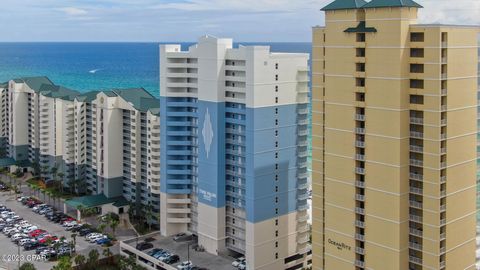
<point x="417" y="84"/>
<point x="276" y="122"/>
<point x="276" y="178"/>
<point x="276" y="222"/>
<point x="417" y="37"/>
<point x="360" y="37"/>
<point x="276" y="244"/>
<point x="360" y="52"/>
<point x="276" y="255"/>
<point x="276" y="199"/>
<point x="276" y="88"/>
<point x="417" y="52"/>
<point x="416" y="99"/>
<point x="276" y="188"/>
<point x="276" y="145"/>
<point x="416" y="68"/>
<point x="276" y="110"/>
<point x="276" y="233"/>
<point x="276" y="99"/>
<point x="360" y="82"/>
<point x="276" y="166"/>
<point x="276" y="211"/>
<point x="276" y="154"/>
<point x="276" y="77"/>
<point x="276" y="66"/>
<point x="233" y="231"/>
<point x="360" y="97"/>
<point x="360" y="67"/>
<point x="276" y="133"/>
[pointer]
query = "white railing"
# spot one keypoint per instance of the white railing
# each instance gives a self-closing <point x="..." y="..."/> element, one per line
<point x="360" y="130"/>
<point x="359" y="197"/>
<point x="415" y="204"/>
<point x="360" y="237"/>
<point x="360" y="117"/>
<point x="415" y="245"/>
<point x="416" y="134"/>
<point x="359" y="223"/>
<point x="360" y="157"/>
<point x="415" y="218"/>
<point x="416" y="176"/>
<point x="360" y="184"/>
<point x="359" y="210"/>
<point x="416" y="232"/>
<point x="360" y="170"/>
<point x="359" y="144"/>
<point x="416" y="162"/>
<point x="416" y="148"/>
<point x="416" y="120"/>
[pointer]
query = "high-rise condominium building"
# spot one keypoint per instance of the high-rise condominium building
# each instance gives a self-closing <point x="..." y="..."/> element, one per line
<point x="107" y="142"/>
<point x="394" y="139"/>
<point x="234" y="132"/>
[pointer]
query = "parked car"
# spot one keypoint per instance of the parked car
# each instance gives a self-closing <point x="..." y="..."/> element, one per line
<point x="144" y="246"/>
<point x="30" y="245"/>
<point x="84" y="232"/>
<point x="238" y="261"/>
<point x="185" y="265"/>
<point x="172" y="259"/>
<point x="153" y="251"/>
<point x="179" y="236"/>
<point x="103" y="241"/>
<point x="242" y="266"/>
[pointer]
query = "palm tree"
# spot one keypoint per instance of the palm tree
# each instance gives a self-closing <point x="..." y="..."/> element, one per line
<point x="27" y="266"/>
<point x="61" y="175"/>
<point x="101" y="227"/>
<point x="49" y="193"/>
<point x="74" y="237"/>
<point x="45" y="169"/>
<point x="36" y="168"/>
<point x="92" y="257"/>
<point x="113" y="225"/>
<point x="79" y="260"/>
<point x="149" y="215"/>
<point x="81" y="185"/>
<point x="107" y="253"/>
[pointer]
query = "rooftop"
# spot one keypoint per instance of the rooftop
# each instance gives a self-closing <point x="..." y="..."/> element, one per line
<point x="95" y="200"/>
<point x="356" y="4"/>
<point x="344" y="4"/>
<point x="35" y="83"/>
<point x="391" y="3"/>
<point x="199" y="258"/>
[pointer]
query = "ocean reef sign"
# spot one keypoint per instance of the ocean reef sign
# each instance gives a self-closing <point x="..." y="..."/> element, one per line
<point x="207" y="195"/>
<point x="340" y="246"/>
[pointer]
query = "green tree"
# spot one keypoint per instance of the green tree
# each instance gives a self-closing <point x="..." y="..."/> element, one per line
<point x="107" y="253"/>
<point x="80" y="260"/>
<point x="93" y="257"/>
<point x="36" y="168"/>
<point x="60" y="181"/>
<point x="113" y="223"/>
<point x="27" y="266"/>
<point x="65" y="263"/>
<point x="149" y="215"/>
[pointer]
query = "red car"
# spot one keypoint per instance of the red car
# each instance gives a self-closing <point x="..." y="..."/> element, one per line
<point x="45" y="239"/>
<point x="36" y="233"/>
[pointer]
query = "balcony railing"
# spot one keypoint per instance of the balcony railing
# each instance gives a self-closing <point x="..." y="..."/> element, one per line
<point x="360" y="144"/>
<point x="416" y="176"/>
<point x="416" y="120"/>
<point x="360" y="157"/>
<point x="416" y="148"/>
<point x="360" y="237"/>
<point x="416" y="190"/>
<point x="416" y="246"/>
<point x="360" y="130"/>
<point x="359" y="224"/>
<point x="415" y="218"/>
<point x="416" y="232"/>
<point x="416" y="134"/>
<point x="415" y="260"/>
<point x="416" y="162"/>
<point x="360" y="117"/>
<point x="360" y="184"/>
<point x="360" y="250"/>
<point x="360" y="170"/>
<point x="415" y="204"/>
<point x="359" y="211"/>
<point x="360" y="197"/>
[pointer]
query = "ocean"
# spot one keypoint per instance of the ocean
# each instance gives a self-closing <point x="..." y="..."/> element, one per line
<point x="98" y="66"/>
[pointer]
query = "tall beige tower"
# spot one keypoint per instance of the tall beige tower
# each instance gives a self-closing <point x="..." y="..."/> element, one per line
<point x="394" y="139"/>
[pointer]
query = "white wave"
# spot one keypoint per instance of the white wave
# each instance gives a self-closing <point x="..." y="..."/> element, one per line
<point x="93" y="71"/>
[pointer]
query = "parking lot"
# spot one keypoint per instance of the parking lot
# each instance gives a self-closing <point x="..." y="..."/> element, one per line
<point x="198" y="258"/>
<point x="7" y="247"/>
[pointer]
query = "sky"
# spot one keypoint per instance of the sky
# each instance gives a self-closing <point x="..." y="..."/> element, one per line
<point x="186" y="20"/>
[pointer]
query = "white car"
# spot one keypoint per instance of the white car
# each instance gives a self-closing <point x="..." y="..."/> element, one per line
<point x="185" y="265"/>
<point x="94" y="239"/>
<point x="21" y="198"/>
<point x="69" y="223"/>
<point x="22" y="242"/>
<point x="93" y="235"/>
<point x="242" y="266"/>
<point x="30" y="229"/>
<point x="18" y="236"/>
<point x="238" y="261"/>
<point x="7" y="214"/>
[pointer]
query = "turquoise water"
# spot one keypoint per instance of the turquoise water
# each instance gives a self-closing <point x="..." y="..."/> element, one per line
<point x="92" y="66"/>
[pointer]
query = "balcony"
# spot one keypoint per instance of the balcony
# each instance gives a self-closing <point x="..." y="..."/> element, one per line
<point x="416" y="148"/>
<point x="416" y="134"/>
<point x="443" y="221"/>
<point x="417" y="191"/>
<point x="415" y="260"/>
<point x="443" y="208"/>
<point x="360" y="170"/>
<point x="415" y="218"/>
<point x="360" y="117"/>
<point x="359" y="211"/>
<point x="416" y="232"/>
<point x="360" y="130"/>
<point x="359" y="263"/>
<point x="360" y="237"/>
<point x="360" y="250"/>
<point x="360" y="197"/>
<point x="416" y="176"/>
<point x="360" y="144"/>
<point x="415" y="204"/>
<point x="360" y="157"/>
<point x="360" y="184"/>
<point x="359" y="224"/>
<point x="443" y="179"/>
<point x="415" y="246"/>
<point x="416" y="162"/>
<point x="416" y="120"/>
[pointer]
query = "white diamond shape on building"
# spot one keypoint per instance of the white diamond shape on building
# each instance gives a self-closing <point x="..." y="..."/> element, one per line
<point x="207" y="132"/>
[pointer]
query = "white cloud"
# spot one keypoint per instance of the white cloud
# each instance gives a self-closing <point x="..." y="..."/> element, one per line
<point x="73" y="11"/>
<point x="243" y="5"/>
